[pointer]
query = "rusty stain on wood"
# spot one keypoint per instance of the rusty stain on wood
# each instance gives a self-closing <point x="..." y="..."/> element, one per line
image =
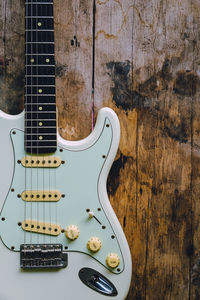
<point x="143" y="58"/>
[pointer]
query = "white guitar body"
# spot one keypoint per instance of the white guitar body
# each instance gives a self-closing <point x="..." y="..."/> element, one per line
<point x="17" y="284"/>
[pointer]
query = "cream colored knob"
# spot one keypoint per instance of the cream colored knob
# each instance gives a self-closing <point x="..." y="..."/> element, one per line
<point x="72" y="232"/>
<point x="94" y="244"/>
<point x="113" y="260"/>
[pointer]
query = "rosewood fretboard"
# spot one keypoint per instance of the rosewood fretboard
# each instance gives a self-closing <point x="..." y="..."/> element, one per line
<point x="40" y="99"/>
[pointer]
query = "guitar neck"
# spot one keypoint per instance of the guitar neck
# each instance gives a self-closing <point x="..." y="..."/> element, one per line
<point x="40" y="99"/>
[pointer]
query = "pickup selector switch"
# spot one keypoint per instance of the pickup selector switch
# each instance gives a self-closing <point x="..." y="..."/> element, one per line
<point x="94" y="244"/>
<point x="72" y="232"/>
<point x="113" y="260"/>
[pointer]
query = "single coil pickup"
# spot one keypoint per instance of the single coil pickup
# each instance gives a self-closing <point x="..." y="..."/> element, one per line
<point x="45" y="256"/>
<point x="41" y="227"/>
<point x="41" y="162"/>
<point x="41" y="196"/>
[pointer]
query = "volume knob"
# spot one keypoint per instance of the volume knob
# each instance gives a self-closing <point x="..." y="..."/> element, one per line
<point x="72" y="232"/>
<point x="113" y="260"/>
<point x="94" y="244"/>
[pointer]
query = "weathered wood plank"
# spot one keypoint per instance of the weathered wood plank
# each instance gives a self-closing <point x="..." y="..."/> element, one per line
<point x="73" y="41"/>
<point x="157" y="90"/>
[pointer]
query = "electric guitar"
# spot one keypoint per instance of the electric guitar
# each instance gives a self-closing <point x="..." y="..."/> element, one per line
<point x="60" y="238"/>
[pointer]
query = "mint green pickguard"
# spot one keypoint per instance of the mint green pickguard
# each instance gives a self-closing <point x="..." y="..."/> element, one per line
<point x="78" y="179"/>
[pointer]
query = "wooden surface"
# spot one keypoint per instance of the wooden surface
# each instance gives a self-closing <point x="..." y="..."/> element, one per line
<point x="143" y="60"/>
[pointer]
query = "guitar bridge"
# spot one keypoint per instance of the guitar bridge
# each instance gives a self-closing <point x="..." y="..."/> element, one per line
<point x="45" y="256"/>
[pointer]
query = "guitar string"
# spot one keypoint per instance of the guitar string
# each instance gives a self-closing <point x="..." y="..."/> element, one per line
<point x="26" y="120"/>
<point x="31" y="205"/>
<point x="37" y="128"/>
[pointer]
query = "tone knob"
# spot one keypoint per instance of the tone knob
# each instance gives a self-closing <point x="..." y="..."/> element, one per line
<point x="94" y="244"/>
<point x="113" y="260"/>
<point x="72" y="232"/>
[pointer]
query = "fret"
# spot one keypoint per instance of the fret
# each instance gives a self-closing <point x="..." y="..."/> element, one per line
<point x="44" y="23"/>
<point x="38" y="1"/>
<point x="41" y="115"/>
<point x="39" y="30"/>
<point x="36" y="17"/>
<point x="40" y="91"/>
<point x="39" y="36"/>
<point x="36" y="85"/>
<point x="40" y="138"/>
<point x="39" y="65"/>
<point x="40" y="55"/>
<point x="40" y="49"/>
<point x="45" y="123"/>
<point x="40" y="130"/>
<point x="32" y="120"/>
<point x="41" y="99"/>
<point x="37" y="95"/>
<point x="40" y="81"/>
<point x="39" y="10"/>
<point x="46" y="43"/>
<point x="48" y="76"/>
<point x="48" y="105"/>
<point x="37" y="144"/>
<point x="47" y="70"/>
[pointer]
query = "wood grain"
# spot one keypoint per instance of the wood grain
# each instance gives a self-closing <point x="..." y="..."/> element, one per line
<point x="142" y="59"/>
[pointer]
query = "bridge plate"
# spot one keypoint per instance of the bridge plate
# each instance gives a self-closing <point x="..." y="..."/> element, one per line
<point x="45" y="256"/>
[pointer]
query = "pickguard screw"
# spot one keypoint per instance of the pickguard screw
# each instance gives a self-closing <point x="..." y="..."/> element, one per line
<point x="118" y="270"/>
<point x="12" y="190"/>
<point x="19" y="161"/>
<point x="2" y="219"/>
<point x="61" y="150"/>
<point x="112" y="236"/>
<point x="103" y="227"/>
<point x="12" y="248"/>
<point x="99" y="209"/>
<point x="103" y="156"/>
<point x="14" y="132"/>
<point x="18" y="196"/>
<point x="107" y="125"/>
<point x="63" y="162"/>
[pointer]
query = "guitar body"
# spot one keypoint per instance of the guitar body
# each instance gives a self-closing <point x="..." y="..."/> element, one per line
<point x="81" y="180"/>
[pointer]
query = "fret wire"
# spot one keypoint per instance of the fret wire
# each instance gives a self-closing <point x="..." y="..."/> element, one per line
<point x="38" y="120"/>
<point x="45" y="43"/>
<point x="29" y="85"/>
<point x="35" y="95"/>
<point x="38" y="146"/>
<point x="39" y="17"/>
<point x="40" y="103"/>
<point x="40" y="65"/>
<point x="45" y="3"/>
<point x="32" y="127"/>
<point x="39" y="76"/>
<point x="39" y="30"/>
<point x="45" y="54"/>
